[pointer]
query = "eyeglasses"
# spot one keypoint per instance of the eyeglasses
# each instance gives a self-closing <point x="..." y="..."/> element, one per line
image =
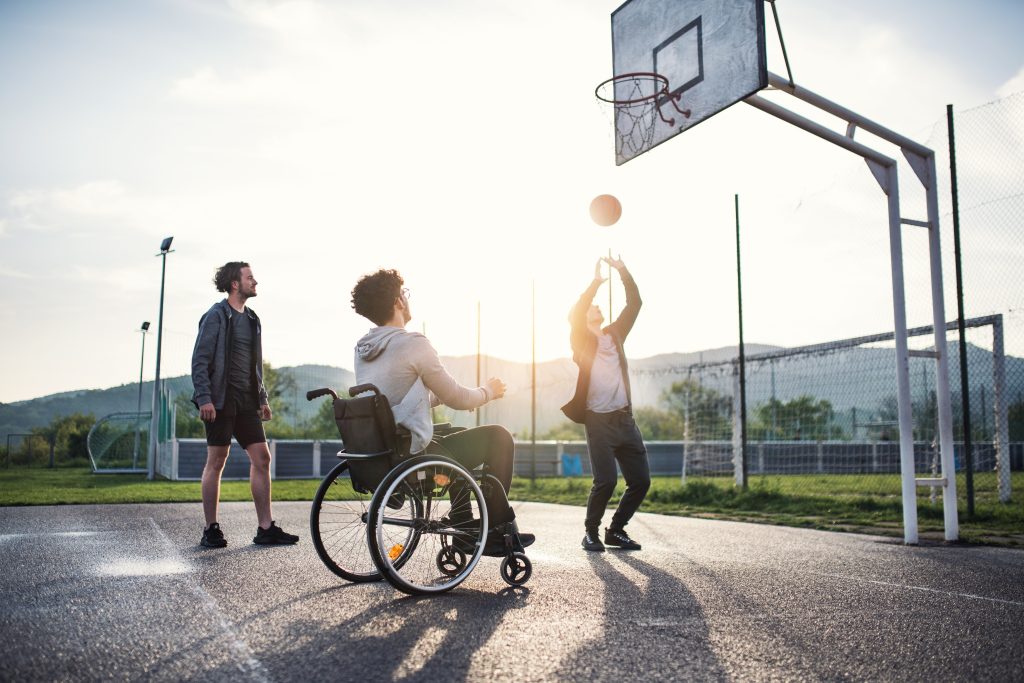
<point x="406" y="293"/>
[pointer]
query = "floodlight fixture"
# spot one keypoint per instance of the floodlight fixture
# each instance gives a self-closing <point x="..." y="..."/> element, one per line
<point x="165" y="246"/>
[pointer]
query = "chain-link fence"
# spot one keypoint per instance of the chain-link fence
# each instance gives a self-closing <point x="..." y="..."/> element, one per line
<point x="28" y="450"/>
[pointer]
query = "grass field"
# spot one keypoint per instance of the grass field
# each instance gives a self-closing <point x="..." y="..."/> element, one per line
<point x="833" y="502"/>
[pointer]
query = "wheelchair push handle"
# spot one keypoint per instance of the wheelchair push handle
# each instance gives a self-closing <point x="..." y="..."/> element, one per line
<point x="361" y="388"/>
<point x="317" y="393"/>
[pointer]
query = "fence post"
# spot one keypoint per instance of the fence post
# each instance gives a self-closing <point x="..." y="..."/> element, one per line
<point x="175" y="445"/>
<point x="316" y="460"/>
<point x="737" y="428"/>
<point x="821" y="457"/>
<point x="1002" y="432"/>
<point x="559" y="450"/>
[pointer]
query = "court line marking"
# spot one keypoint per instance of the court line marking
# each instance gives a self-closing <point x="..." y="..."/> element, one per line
<point x="972" y="596"/>
<point x="250" y="664"/>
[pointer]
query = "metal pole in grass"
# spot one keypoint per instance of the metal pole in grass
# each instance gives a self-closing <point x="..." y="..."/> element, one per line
<point x="477" y="411"/>
<point x="533" y="383"/>
<point x="743" y="373"/>
<point x="965" y="394"/>
<point x="154" y="425"/>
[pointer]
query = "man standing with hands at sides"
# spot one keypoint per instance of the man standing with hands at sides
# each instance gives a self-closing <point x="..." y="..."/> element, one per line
<point x="227" y="373"/>
<point x="602" y="404"/>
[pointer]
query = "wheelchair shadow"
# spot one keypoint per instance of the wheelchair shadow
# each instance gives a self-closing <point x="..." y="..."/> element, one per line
<point x="652" y="628"/>
<point x="413" y="638"/>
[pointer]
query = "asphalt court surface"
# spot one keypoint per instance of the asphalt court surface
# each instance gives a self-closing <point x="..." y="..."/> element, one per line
<point x="125" y="592"/>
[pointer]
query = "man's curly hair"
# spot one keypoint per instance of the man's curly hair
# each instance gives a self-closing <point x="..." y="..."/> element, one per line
<point x="374" y="295"/>
<point x="228" y="273"/>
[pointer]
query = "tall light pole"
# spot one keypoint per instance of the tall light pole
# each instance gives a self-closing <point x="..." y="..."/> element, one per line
<point x="154" y="425"/>
<point x="138" y="408"/>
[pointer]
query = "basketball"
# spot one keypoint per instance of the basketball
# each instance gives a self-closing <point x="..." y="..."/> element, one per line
<point x="605" y="209"/>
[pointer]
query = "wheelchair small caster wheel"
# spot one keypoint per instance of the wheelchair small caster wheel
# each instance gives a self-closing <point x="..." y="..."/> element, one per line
<point x="516" y="569"/>
<point x="451" y="561"/>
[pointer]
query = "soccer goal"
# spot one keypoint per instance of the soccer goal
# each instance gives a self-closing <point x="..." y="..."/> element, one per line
<point x="829" y="411"/>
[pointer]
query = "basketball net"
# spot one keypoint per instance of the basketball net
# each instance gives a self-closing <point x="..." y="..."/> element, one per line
<point x="637" y="98"/>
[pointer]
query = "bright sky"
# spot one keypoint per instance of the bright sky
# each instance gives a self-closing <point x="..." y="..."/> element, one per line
<point x="457" y="141"/>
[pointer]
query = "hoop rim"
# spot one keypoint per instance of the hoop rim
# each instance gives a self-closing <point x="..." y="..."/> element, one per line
<point x="633" y="75"/>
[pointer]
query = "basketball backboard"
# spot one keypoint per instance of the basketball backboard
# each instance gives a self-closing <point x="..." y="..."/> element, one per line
<point x="711" y="52"/>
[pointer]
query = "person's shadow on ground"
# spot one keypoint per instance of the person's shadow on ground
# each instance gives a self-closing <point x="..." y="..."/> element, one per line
<point x="654" y="631"/>
<point x="430" y="638"/>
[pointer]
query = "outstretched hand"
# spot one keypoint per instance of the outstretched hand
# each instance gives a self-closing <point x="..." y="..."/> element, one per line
<point x="496" y="388"/>
<point x="599" y="272"/>
<point x="617" y="264"/>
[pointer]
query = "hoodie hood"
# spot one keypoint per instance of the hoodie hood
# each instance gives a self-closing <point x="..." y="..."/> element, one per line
<point x="375" y="341"/>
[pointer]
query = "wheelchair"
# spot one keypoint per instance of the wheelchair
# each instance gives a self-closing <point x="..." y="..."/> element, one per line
<point x="419" y="522"/>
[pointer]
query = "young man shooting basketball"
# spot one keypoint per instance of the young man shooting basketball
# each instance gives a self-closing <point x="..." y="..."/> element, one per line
<point x="602" y="404"/>
<point x="227" y="373"/>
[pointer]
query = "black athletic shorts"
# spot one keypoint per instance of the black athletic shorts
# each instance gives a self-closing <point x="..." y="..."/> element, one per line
<point x="245" y="425"/>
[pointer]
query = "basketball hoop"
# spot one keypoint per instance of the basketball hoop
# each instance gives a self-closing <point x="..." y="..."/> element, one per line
<point x="637" y="96"/>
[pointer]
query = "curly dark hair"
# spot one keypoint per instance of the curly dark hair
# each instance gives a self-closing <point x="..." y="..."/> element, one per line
<point x="228" y="273"/>
<point x="374" y="295"/>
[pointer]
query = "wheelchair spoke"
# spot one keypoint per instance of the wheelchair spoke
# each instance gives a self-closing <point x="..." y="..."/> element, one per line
<point x="437" y="548"/>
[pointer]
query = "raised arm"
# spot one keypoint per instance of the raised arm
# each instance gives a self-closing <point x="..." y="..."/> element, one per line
<point x="624" y="323"/>
<point x="578" y="313"/>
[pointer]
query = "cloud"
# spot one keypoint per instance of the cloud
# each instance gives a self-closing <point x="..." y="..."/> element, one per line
<point x="99" y="204"/>
<point x="207" y="86"/>
<point x="1014" y="85"/>
<point x="11" y="273"/>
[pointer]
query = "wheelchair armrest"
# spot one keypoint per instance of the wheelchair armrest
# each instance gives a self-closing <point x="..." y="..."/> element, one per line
<point x="446" y="428"/>
<point x="361" y="456"/>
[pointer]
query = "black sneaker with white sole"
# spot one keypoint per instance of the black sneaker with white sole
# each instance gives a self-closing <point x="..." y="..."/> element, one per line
<point x="213" y="537"/>
<point x="618" y="538"/>
<point x="274" y="535"/>
<point x="592" y="542"/>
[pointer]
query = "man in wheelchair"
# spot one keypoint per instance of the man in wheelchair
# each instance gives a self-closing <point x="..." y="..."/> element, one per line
<point x="405" y="367"/>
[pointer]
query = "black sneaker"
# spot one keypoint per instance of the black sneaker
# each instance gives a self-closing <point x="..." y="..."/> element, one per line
<point x="592" y="541"/>
<point x="213" y="537"/>
<point x="495" y="545"/>
<point x="620" y="539"/>
<point x="274" y="535"/>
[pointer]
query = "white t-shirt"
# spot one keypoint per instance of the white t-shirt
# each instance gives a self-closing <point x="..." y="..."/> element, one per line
<point x="607" y="391"/>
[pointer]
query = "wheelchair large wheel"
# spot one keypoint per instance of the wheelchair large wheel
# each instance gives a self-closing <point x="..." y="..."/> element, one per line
<point x="337" y="525"/>
<point x="450" y="526"/>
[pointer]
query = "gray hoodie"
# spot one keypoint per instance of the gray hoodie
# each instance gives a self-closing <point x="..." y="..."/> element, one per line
<point x="406" y="369"/>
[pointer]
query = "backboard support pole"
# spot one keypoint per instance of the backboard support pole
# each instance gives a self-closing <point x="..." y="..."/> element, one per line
<point x="884" y="169"/>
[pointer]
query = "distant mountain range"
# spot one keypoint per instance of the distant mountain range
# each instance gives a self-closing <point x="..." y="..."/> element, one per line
<point x="856" y="378"/>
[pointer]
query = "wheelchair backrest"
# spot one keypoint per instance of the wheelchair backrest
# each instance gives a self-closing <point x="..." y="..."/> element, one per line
<point x="370" y="436"/>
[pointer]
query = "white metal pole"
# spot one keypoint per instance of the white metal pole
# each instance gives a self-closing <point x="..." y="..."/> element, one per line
<point x="899" y="311"/>
<point x="950" y="516"/>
